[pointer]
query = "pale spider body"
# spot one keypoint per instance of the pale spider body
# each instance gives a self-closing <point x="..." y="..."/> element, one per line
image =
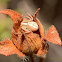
<point x="28" y="24"/>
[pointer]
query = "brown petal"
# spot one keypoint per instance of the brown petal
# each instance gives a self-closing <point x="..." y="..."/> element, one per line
<point x="16" y="17"/>
<point x="41" y="29"/>
<point x="8" y="48"/>
<point x="53" y="36"/>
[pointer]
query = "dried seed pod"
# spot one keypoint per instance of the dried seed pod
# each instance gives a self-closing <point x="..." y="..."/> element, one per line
<point x="24" y="40"/>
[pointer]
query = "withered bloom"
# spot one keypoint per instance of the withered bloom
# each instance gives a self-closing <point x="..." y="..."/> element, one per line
<point x="27" y="36"/>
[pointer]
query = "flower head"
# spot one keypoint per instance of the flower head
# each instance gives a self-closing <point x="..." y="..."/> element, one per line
<point x="27" y="36"/>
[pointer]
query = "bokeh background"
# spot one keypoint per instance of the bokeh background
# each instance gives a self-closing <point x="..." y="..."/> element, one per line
<point x="50" y="13"/>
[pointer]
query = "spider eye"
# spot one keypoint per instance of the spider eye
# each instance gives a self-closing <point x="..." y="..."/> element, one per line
<point x="32" y="26"/>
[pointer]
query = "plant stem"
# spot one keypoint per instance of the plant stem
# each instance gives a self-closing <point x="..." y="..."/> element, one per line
<point x="32" y="57"/>
<point x="41" y="59"/>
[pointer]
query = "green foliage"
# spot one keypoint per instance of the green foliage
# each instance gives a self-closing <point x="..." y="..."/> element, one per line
<point x="4" y="1"/>
<point x="5" y="28"/>
<point x="17" y="10"/>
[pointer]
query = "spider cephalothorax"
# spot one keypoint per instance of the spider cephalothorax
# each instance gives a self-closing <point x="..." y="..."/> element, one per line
<point x="28" y="36"/>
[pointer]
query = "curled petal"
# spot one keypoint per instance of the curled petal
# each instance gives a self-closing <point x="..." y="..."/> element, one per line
<point x="53" y="36"/>
<point x="42" y="53"/>
<point x="8" y="48"/>
<point x="16" y="17"/>
<point x="43" y="49"/>
<point x="41" y="29"/>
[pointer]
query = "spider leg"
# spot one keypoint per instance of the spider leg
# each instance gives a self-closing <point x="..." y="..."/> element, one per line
<point x="17" y="33"/>
<point x="31" y="18"/>
<point x="36" y="13"/>
<point x="28" y="17"/>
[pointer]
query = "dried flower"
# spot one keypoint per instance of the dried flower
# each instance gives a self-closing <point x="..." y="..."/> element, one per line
<point x="27" y="36"/>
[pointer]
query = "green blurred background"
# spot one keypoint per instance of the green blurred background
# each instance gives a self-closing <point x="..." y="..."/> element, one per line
<point x="50" y="13"/>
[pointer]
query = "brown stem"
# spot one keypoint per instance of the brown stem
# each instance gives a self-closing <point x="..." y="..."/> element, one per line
<point x="41" y="59"/>
<point x="32" y="57"/>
